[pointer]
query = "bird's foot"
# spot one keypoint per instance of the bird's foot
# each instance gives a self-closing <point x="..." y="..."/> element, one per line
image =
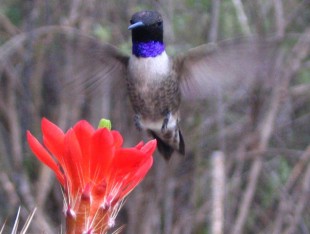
<point x="164" y="127"/>
<point x="137" y="121"/>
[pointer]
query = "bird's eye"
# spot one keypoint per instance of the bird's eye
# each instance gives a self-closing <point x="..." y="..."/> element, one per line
<point x="131" y="21"/>
<point x="159" y="24"/>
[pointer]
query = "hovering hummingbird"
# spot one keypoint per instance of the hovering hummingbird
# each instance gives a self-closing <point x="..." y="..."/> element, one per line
<point x="156" y="82"/>
<point x="153" y="84"/>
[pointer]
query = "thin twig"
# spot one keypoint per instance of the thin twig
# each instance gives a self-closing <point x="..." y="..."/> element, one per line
<point x="8" y="25"/>
<point x="283" y="208"/>
<point x="279" y="17"/>
<point x="301" y="204"/>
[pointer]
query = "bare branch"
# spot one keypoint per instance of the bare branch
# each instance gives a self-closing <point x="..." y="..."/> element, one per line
<point x="283" y="208"/>
<point x="214" y="24"/>
<point x="243" y="19"/>
<point x="8" y="25"/>
<point x="301" y="205"/>
<point x="280" y="20"/>
<point x="299" y="52"/>
<point x="218" y="192"/>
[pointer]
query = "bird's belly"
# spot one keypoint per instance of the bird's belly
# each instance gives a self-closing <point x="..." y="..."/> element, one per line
<point x="153" y="87"/>
<point x="156" y="125"/>
<point x="153" y="100"/>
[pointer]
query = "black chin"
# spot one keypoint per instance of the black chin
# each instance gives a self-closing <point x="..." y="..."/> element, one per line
<point x="144" y="34"/>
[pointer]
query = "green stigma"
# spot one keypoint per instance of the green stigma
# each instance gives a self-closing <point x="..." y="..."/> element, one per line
<point x="105" y="123"/>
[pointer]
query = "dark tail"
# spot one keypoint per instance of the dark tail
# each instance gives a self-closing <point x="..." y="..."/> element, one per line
<point x="167" y="149"/>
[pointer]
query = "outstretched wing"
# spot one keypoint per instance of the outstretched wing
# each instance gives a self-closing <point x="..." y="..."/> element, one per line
<point x="100" y="81"/>
<point x="231" y="67"/>
<point x="101" y="63"/>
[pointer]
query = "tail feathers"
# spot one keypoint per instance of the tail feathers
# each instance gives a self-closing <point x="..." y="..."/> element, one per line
<point x="167" y="149"/>
<point x="181" y="144"/>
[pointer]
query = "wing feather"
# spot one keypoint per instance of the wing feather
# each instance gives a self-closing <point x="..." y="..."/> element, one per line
<point x="231" y="67"/>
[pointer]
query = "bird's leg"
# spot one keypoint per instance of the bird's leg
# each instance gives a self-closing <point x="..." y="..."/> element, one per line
<point x="137" y="121"/>
<point x="165" y="122"/>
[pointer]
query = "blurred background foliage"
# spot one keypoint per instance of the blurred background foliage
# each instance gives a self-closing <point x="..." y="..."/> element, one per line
<point x="247" y="164"/>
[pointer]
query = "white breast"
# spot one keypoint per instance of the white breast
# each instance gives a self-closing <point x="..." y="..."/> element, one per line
<point x="149" y="69"/>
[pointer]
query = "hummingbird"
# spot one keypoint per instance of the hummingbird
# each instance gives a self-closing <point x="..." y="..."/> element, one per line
<point x="153" y="85"/>
<point x="156" y="82"/>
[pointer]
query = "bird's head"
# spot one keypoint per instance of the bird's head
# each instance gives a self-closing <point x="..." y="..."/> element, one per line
<point x="146" y="26"/>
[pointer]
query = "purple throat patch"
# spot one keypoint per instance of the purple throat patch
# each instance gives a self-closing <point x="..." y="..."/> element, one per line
<point x="147" y="49"/>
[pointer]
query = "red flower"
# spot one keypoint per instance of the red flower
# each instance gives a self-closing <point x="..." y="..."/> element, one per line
<point x="94" y="171"/>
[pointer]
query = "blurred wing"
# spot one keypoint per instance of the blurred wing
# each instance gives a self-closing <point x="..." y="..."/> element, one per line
<point x="100" y="63"/>
<point x="99" y="83"/>
<point x="70" y="72"/>
<point x="231" y="67"/>
<point x="60" y="73"/>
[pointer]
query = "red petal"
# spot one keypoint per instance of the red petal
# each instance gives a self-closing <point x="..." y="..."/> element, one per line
<point x="118" y="139"/>
<point x="84" y="131"/>
<point x="44" y="156"/>
<point x="131" y="157"/>
<point x="102" y="153"/>
<point x="139" y="145"/>
<point x="53" y="139"/>
<point x="128" y="159"/>
<point x="149" y="147"/>
<point x="72" y="162"/>
<point x="125" y="164"/>
<point x="136" y="178"/>
<point x="128" y="169"/>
